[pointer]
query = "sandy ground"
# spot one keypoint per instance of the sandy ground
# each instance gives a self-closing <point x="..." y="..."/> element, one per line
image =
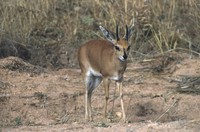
<point x="160" y="94"/>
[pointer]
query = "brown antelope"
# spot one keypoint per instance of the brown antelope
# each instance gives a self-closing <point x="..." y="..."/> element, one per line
<point x="104" y="60"/>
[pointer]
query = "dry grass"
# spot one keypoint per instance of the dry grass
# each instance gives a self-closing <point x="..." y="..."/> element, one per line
<point x="160" y="25"/>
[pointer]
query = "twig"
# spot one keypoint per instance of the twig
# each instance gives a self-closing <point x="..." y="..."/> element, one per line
<point x="166" y="111"/>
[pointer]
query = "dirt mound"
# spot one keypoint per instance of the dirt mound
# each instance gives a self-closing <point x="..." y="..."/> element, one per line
<point x="18" y="64"/>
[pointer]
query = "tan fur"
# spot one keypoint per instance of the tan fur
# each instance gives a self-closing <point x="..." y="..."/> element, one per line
<point x="100" y="60"/>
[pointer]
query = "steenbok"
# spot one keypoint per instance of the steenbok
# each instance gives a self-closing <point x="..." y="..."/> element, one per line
<point x="104" y="60"/>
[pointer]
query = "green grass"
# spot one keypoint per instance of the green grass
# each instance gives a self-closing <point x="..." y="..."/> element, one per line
<point x="18" y="121"/>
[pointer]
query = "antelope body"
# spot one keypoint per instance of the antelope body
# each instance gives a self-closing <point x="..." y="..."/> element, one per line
<point x="103" y="60"/>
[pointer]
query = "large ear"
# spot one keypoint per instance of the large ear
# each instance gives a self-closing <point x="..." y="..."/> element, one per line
<point x="109" y="35"/>
<point x="129" y="32"/>
<point x="117" y="33"/>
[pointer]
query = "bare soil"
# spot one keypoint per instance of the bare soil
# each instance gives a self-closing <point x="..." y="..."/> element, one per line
<point x="160" y="94"/>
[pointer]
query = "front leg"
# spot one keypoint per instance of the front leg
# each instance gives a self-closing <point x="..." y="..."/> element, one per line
<point x="119" y="86"/>
<point x="106" y="83"/>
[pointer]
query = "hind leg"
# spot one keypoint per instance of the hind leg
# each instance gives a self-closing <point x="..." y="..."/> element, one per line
<point x="86" y="97"/>
<point x="91" y="83"/>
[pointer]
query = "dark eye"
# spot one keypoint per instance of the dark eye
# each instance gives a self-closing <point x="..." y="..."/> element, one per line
<point x="117" y="48"/>
<point x="128" y="48"/>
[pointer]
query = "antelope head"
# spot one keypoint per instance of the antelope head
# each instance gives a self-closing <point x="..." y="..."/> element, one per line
<point x="120" y="45"/>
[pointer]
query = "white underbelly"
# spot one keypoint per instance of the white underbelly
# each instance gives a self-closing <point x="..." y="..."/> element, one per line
<point x="91" y="71"/>
<point x="114" y="78"/>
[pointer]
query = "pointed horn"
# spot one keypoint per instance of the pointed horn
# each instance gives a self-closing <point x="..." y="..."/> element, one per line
<point x="117" y="34"/>
<point x="127" y="33"/>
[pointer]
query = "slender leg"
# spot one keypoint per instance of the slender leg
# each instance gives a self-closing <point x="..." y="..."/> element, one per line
<point x="88" y="93"/>
<point x="89" y="107"/>
<point x="119" y="85"/>
<point x="87" y="78"/>
<point x="89" y="88"/>
<point x="114" y="98"/>
<point x="91" y="83"/>
<point x="106" y="83"/>
<point x="86" y="105"/>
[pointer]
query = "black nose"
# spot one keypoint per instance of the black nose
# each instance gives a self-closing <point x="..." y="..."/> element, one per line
<point x="125" y="56"/>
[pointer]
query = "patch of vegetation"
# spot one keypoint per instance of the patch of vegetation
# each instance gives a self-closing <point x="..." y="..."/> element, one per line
<point x="40" y="95"/>
<point x="18" y="121"/>
<point x="102" y="124"/>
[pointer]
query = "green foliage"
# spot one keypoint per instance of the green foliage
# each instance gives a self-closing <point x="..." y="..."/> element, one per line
<point x="18" y="121"/>
<point x="101" y="124"/>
